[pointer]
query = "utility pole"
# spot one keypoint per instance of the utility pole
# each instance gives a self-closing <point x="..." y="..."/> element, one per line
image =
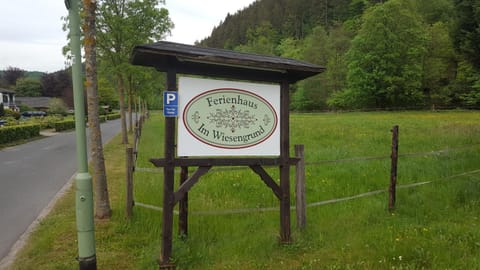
<point x="83" y="180"/>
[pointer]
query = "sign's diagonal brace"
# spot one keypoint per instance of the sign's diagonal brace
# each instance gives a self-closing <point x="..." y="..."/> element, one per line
<point x="267" y="179"/>
<point x="190" y="182"/>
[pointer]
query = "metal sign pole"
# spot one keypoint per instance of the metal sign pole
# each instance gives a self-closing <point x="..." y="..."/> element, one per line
<point x="83" y="180"/>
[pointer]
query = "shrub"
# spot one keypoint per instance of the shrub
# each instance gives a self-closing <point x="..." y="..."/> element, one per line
<point x="14" y="133"/>
<point x="2" y="110"/>
<point x="47" y="121"/>
<point x="57" y="106"/>
<point x="12" y="113"/>
<point x="102" y="111"/>
<point x="64" y="125"/>
<point x="10" y="121"/>
<point x="24" y="108"/>
<point x="113" y="116"/>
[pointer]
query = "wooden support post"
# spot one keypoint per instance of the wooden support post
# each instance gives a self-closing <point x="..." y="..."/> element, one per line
<point x="145" y="109"/>
<point x="285" y="229"/>
<point x="183" y="206"/>
<point x="393" y="170"/>
<point x="301" y="204"/>
<point x="129" y="183"/>
<point x="135" y="139"/>
<point x="137" y="109"/>
<point x="168" y="182"/>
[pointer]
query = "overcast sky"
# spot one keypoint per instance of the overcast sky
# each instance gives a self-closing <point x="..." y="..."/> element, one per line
<point x="31" y="36"/>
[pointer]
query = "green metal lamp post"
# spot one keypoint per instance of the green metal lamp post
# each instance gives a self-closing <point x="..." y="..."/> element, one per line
<point x="83" y="180"/>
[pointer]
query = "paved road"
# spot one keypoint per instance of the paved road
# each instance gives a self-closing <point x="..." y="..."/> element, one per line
<point x="30" y="176"/>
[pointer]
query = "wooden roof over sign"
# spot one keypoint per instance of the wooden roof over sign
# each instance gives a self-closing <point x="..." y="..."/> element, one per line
<point x="194" y="60"/>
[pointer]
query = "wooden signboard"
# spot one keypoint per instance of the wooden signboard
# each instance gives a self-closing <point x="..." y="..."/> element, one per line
<point x="223" y="123"/>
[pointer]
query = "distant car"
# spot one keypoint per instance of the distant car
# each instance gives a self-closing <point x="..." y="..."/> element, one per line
<point x="33" y="113"/>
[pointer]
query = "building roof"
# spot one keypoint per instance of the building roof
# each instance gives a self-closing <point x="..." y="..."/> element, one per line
<point x="188" y="59"/>
<point x="34" y="102"/>
<point x="6" y="91"/>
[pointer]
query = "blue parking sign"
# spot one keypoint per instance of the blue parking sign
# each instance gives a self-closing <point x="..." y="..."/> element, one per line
<point x="170" y="103"/>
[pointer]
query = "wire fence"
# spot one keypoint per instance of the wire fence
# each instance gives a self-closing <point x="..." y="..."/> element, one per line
<point x="132" y="156"/>
<point x="346" y="160"/>
<point x="314" y="204"/>
<point x="334" y="200"/>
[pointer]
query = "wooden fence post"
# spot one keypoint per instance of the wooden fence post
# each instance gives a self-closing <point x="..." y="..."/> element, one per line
<point x="393" y="170"/>
<point x="136" y="140"/>
<point x="183" y="206"/>
<point x="129" y="184"/>
<point x="140" y="126"/>
<point x="301" y="203"/>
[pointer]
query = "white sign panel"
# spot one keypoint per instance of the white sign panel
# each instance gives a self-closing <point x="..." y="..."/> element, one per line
<point x="225" y="118"/>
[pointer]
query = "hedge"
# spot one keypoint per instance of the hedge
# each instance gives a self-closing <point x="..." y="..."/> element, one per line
<point x="113" y="116"/>
<point x="13" y="133"/>
<point x="64" y="125"/>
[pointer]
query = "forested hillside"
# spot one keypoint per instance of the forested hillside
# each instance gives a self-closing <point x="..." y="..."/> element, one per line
<point x="378" y="54"/>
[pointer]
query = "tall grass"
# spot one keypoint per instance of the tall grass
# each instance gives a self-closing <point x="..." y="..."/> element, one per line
<point x="435" y="226"/>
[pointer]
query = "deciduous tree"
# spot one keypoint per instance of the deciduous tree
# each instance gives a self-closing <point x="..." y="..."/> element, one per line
<point x="122" y="24"/>
<point x="12" y="74"/>
<point x="261" y="39"/>
<point x="385" y="61"/>
<point x="102" y="202"/>
<point x="467" y="30"/>
<point x="440" y="65"/>
<point x="28" y="87"/>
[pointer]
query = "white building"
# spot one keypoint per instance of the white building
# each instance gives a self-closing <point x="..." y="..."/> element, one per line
<point x="7" y="97"/>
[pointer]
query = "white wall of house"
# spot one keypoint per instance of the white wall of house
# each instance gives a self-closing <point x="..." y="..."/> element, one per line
<point x="8" y="100"/>
<point x="4" y="100"/>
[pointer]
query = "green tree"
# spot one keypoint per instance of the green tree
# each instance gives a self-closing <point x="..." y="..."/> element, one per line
<point x="315" y="46"/>
<point x="261" y="39"/>
<point x="339" y="40"/>
<point x="467" y="30"/>
<point x="312" y="93"/>
<point x="440" y="65"/>
<point x="465" y="89"/>
<point x="122" y="24"/>
<point x="385" y="59"/>
<point x="28" y="87"/>
<point x="147" y="84"/>
<point x="106" y="93"/>
<point x="436" y="10"/>
<point x="290" y="48"/>
<point x="327" y="49"/>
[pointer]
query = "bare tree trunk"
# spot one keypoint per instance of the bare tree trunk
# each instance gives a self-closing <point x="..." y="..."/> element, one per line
<point x="102" y="203"/>
<point x="121" y="97"/>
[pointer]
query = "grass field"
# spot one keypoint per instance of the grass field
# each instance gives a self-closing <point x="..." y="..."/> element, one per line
<point x="434" y="226"/>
